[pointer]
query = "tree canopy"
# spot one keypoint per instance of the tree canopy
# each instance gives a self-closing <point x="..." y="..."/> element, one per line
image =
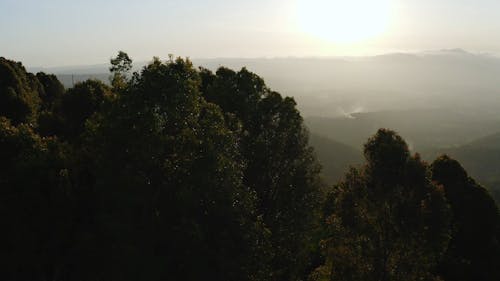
<point x="385" y="220"/>
<point x="19" y="92"/>
<point x="474" y="251"/>
<point x="181" y="173"/>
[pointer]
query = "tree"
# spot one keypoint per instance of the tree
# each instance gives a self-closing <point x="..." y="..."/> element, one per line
<point x="50" y="121"/>
<point x="280" y="165"/>
<point x="387" y="220"/>
<point x="19" y="92"/>
<point x="53" y="90"/>
<point x="35" y="205"/>
<point x="168" y="177"/>
<point x="78" y="105"/>
<point x="474" y="251"/>
<point x="120" y="67"/>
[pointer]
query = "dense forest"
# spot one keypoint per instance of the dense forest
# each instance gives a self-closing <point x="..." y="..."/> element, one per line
<point x="182" y="173"/>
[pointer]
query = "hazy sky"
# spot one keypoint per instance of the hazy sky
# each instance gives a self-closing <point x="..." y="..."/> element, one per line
<point x="69" y="32"/>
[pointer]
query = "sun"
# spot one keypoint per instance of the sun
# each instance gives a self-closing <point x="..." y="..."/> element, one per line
<point x="343" y="21"/>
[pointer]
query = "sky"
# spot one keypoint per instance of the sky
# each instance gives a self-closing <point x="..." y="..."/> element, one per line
<point x="75" y="32"/>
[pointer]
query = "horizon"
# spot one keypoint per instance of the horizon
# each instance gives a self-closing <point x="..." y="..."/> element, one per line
<point x="457" y="50"/>
<point x="56" y="35"/>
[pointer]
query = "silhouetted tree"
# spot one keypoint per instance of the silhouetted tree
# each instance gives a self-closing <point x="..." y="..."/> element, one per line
<point x="19" y="92"/>
<point x="35" y="205"/>
<point x="169" y="180"/>
<point x="474" y="251"/>
<point x="53" y="90"/>
<point x="280" y="165"/>
<point x="387" y="221"/>
<point x="120" y="68"/>
<point x="80" y="103"/>
<point x="50" y="120"/>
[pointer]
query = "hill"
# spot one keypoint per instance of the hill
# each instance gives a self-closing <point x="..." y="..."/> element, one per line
<point x="335" y="157"/>
<point x="426" y="129"/>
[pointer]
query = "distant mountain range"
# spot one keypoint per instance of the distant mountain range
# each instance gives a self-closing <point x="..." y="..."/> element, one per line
<point x="337" y="86"/>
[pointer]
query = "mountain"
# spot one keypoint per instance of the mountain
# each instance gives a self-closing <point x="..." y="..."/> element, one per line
<point x="491" y="142"/>
<point x="332" y="87"/>
<point x="336" y="86"/>
<point x="480" y="157"/>
<point x="425" y="129"/>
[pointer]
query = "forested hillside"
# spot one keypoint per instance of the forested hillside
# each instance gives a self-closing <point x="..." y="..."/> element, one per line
<point x="334" y="157"/>
<point x="182" y="173"/>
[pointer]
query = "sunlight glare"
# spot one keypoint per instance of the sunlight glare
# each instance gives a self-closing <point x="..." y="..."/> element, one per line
<point x="343" y="21"/>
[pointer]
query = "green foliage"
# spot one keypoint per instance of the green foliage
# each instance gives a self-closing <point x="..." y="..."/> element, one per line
<point x="122" y="63"/>
<point x="68" y="116"/>
<point x="280" y="165"/>
<point x="35" y="204"/>
<point x="169" y="170"/>
<point x="120" y="67"/>
<point x="53" y="90"/>
<point x="474" y="251"/>
<point x="386" y="221"/>
<point x="19" y="92"/>
<point x="81" y="102"/>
